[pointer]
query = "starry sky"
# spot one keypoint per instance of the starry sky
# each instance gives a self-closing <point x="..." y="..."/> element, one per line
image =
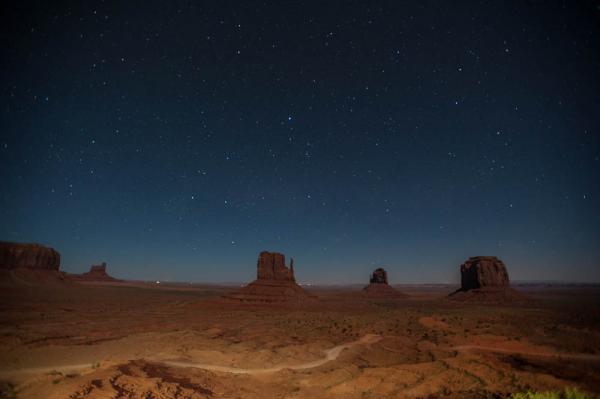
<point x="176" y="140"/>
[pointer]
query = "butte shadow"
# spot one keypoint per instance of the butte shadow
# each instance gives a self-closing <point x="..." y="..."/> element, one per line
<point x="485" y="279"/>
<point x="275" y="283"/>
<point x="379" y="288"/>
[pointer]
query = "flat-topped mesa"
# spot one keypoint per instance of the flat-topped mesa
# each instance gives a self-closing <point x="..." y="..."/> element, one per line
<point x="27" y="264"/>
<point x="485" y="279"/>
<point x="28" y="256"/>
<point x="482" y="272"/>
<point x="271" y="266"/>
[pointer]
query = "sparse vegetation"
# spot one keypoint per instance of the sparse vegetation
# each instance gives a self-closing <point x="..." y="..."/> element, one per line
<point x="569" y="393"/>
<point x="422" y="351"/>
<point x="7" y="390"/>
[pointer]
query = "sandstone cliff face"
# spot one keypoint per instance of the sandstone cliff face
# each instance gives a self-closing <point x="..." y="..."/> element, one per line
<point x="484" y="279"/>
<point x="482" y="272"/>
<point x="271" y="266"/>
<point x="379" y="276"/>
<point x="28" y="256"/>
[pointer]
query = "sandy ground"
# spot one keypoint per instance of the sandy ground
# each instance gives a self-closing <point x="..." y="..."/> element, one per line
<point x="134" y="340"/>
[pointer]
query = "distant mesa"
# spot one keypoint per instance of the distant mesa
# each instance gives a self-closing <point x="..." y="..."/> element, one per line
<point x="485" y="279"/>
<point x="275" y="282"/>
<point x="96" y="273"/>
<point x="379" y="288"/>
<point x="20" y="261"/>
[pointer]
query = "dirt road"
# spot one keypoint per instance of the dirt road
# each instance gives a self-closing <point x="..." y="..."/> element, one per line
<point x="330" y="354"/>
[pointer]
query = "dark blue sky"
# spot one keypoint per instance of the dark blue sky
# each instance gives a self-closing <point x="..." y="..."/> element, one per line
<point x="176" y="141"/>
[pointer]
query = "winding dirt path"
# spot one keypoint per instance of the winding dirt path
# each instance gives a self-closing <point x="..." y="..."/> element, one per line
<point x="330" y="354"/>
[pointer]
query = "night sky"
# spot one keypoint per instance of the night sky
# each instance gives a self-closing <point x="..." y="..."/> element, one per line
<point x="176" y="140"/>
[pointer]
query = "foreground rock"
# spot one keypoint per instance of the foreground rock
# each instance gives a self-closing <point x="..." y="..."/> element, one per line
<point x="485" y="279"/>
<point x="29" y="262"/>
<point x="274" y="283"/>
<point x="96" y="273"/>
<point x="379" y="288"/>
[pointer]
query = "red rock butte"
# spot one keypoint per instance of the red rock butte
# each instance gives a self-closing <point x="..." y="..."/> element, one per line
<point x="271" y="266"/>
<point x="485" y="279"/>
<point x="96" y="273"/>
<point x="379" y="288"/>
<point x="275" y="282"/>
<point x="31" y="263"/>
<point x="29" y="256"/>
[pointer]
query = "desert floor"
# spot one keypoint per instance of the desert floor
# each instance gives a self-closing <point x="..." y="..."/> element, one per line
<point x="136" y="340"/>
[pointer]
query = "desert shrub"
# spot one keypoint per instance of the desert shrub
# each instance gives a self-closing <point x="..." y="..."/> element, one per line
<point x="7" y="390"/>
<point x="569" y="393"/>
<point x="574" y="393"/>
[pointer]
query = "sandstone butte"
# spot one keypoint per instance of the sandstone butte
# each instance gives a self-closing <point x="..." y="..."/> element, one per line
<point x="96" y="273"/>
<point x="379" y="288"/>
<point x="29" y="256"/>
<point x="20" y="262"/>
<point x="275" y="282"/>
<point x="485" y="279"/>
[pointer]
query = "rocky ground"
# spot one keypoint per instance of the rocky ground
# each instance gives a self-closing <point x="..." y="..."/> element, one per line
<point x="124" y="340"/>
